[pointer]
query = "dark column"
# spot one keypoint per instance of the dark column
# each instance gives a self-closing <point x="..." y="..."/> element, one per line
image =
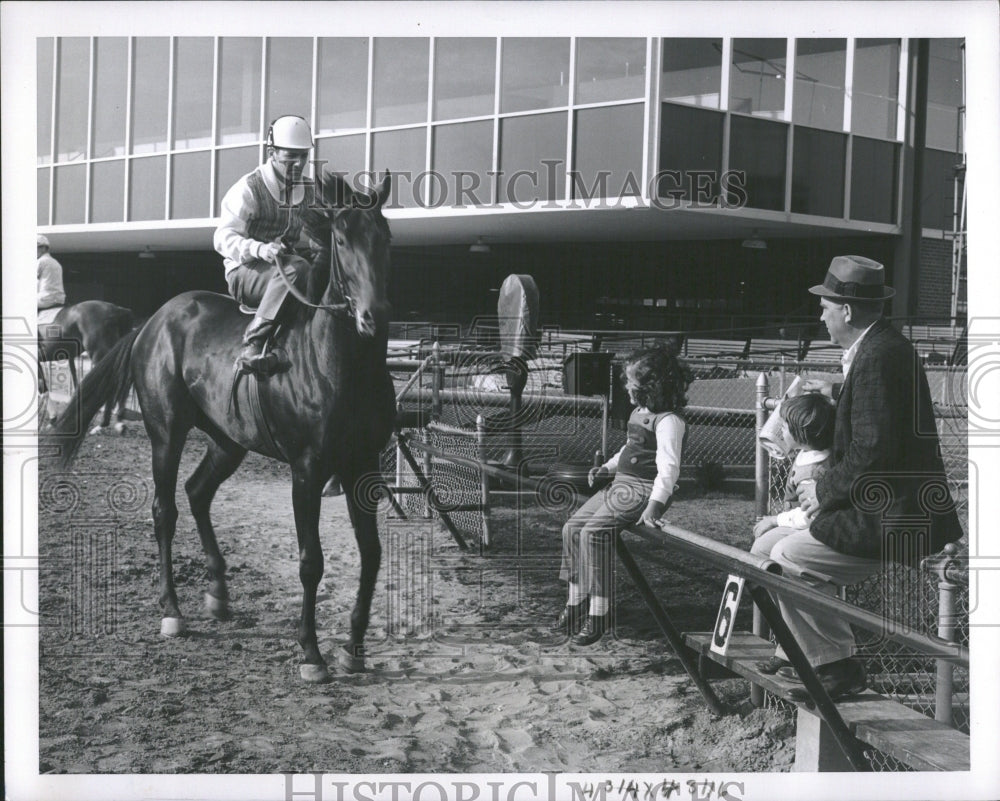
<point x="906" y="275"/>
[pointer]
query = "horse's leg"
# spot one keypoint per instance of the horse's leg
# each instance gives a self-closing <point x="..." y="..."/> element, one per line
<point x="363" y="519"/>
<point x="167" y="445"/>
<point x="219" y="463"/>
<point x="306" y="498"/>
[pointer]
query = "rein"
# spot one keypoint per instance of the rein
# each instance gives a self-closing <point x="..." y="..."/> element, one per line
<point x="348" y="307"/>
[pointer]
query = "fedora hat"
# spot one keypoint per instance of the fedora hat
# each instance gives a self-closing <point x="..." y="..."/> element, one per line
<point x="854" y="278"/>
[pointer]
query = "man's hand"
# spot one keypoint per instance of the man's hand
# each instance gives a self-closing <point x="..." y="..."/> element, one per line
<point x="764" y="525"/>
<point x="596" y="474"/>
<point x="816" y="385"/>
<point x="652" y="513"/>
<point x="270" y="252"/>
<point x="807" y="497"/>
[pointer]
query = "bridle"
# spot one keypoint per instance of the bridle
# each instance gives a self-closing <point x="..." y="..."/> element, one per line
<point x="348" y="307"/>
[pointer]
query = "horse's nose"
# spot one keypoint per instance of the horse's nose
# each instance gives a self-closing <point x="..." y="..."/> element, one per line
<point x="365" y="322"/>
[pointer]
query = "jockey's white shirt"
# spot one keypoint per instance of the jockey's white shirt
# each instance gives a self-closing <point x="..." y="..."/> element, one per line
<point x="50" y="282"/>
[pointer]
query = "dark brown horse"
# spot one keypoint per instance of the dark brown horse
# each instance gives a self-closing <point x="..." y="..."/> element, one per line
<point x="330" y="411"/>
<point x="93" y="326"/>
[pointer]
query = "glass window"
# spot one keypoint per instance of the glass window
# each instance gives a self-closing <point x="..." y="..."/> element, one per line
<point x="193" y="88"/>
<point x="71" y="194"/>
<point x="464" y="77"/>
<point x="937" y="198"/>
<point x="818" y="94"/>
<point x="692" y="71"/>
<point x="151" y="66"/>
<point x="608" y="152"/>
<point x="73" y="97"/>
<point x="107" y="191"/>
<point x="533" y="158"/>
<point x="535" y="74"/>
<point x="818" y="164"/>
<point x="189" y="190"/>
<point x="757" y="77"/>
<point x="147" y="189"/>
<point x="875" y="87"/>
<point x="873" y="180"/>
<point x="111" y="75"/>
<point x="404" y="154"/>
<point x="757" y="149"/>
<point x="239" y="90"/>
<point x="343" y="154"/>
<point x="690" y="143"/>
<point x="231" y="164"/>
<point x="400" y="80"/>
<point x="43" y="196"/>
<point x="463" y="156"/>
<point x="610" y="69"/>
<point x="343" y="84"/>
<point x="43" y="61"/>
<point x="944" y="93"/>
<point x="289" y="77"/>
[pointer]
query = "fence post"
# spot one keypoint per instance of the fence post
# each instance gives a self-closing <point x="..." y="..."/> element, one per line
<point x="484" y="482"/>
<point x="761" y="472"/>
<point x="947" y="592"/>
<point x="436" y="383"/>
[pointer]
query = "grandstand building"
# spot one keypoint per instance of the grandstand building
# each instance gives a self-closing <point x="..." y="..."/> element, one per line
<point x="651" y="183"/>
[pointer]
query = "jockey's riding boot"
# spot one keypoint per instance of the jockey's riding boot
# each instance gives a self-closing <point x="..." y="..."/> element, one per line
<point x="251" y="360"/>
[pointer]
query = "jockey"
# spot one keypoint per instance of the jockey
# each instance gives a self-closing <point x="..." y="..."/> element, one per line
<point x="261" y="221"/>
<point x="50" y="278"/>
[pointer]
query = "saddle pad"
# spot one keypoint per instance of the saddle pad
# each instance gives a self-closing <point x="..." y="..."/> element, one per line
<point x="48" y="316"/>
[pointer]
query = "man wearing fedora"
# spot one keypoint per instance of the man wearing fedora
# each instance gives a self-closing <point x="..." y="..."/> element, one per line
<point x="884" y="496"/>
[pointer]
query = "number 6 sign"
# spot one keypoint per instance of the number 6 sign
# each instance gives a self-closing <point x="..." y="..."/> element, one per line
<point x="727" y="614"/>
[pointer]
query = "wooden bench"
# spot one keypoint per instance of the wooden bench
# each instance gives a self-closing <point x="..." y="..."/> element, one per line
<point x="886" y="725"/>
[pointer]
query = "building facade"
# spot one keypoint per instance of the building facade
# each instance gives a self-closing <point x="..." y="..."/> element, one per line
<point x="648" y="182"/>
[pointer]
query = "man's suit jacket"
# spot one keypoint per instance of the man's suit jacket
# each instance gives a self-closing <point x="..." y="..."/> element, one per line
<point x="884" y="494"/>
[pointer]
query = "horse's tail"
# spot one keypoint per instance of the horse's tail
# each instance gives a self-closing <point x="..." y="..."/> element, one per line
<point x="107" y="382"/>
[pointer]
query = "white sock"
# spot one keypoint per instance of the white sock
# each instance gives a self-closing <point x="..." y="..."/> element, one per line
<point x="576" y="594"/>
<point x="598" y="605"/>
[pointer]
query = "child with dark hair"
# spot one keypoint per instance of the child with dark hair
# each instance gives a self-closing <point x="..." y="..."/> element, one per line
<point x="809" y="419"/>
<point x="645" y="474"/>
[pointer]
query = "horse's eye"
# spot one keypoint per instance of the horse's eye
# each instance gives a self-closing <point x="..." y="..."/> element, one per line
<point x="340" y="241"/>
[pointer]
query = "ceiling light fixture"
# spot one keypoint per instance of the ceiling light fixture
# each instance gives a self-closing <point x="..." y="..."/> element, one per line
<point x="147" y="253"/>
<point x="754" y="242"/>
<point x="479" y="247"/>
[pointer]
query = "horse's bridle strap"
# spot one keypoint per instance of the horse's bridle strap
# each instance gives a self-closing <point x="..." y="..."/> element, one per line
<point x="335" y="308"/>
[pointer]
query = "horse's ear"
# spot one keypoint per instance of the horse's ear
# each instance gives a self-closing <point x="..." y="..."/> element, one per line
<point x="382" y="190"/>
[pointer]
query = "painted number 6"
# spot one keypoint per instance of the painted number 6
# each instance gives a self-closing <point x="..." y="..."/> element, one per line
<point x="727" y="614"/>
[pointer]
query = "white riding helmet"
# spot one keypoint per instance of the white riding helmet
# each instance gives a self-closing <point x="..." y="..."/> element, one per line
<point x="290" y="133"/>
<point x="43" y="241"/>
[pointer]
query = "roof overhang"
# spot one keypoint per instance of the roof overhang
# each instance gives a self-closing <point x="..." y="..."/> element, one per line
<point x="554" y="222"/>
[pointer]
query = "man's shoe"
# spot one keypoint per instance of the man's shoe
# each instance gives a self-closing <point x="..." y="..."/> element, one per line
<point x="251" y="359"/>
<point x="840" y="678"/>
<point x="571" y="618"/>
<point x="592" y="630"/>
<point x="772" y="665"/>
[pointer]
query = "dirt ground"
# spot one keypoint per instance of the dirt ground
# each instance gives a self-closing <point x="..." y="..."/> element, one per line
<point x="464" y="675"/>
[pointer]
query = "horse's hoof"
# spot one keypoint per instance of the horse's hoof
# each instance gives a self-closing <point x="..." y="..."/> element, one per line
<point x="352" y="658"/>
<point x="314" y="674"/>
<point x="217" y="607"/>
<point x="172" y="626"/>
<point x="120" y="428"/>
<point x="96" y="430"/>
